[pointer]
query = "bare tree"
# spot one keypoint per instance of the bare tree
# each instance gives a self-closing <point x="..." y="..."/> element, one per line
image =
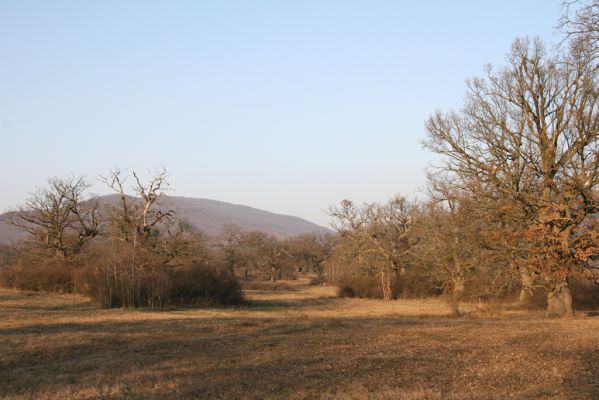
<point x="147" y="238"/>
<point x="376" y="233"/>
<point x="580" y="21"/>
<point x="310" y="252"/>
<point x="233" y="253"/>
<point x="270" y="255"/>
<point x="60" y="216"/>
<point x="254" y="252"/>
<point x="139" y="216"/>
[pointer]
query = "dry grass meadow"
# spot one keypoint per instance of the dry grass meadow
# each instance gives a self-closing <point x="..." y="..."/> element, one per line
<point x="297" y="344"/>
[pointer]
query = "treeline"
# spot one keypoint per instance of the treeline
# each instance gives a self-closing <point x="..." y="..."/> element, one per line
<point x="418" y="249"/>
<point x="135" y="253"/>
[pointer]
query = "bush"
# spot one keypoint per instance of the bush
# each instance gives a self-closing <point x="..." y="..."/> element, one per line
<point x="345" y="290"/>
<point x="157" y="287"/>
<point x="203" y="285"/>
<point x="161" y="287"/>
<point x="360" y="286"/>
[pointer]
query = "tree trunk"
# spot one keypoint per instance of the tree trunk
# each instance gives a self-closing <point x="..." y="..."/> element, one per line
<point x="559" y="300"/>
<point x="527" y="291"/>
<point x="386" y="285"/>
<point x="458" y="288"/>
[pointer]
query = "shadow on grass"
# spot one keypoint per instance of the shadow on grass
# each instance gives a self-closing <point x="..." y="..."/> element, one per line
<point x="290" y="355"/>
<point x="35" y="302"/>
<point x="203" y="358"/>
<point x="274" y="304"/>
<point x="254" y="357"/>
<point x="583" y="383"/>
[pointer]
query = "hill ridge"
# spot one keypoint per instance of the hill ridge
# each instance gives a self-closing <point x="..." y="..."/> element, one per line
<point x="208" y="215"/>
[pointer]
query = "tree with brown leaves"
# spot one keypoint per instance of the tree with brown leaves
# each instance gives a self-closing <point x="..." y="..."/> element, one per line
<point x="528" y="136"/>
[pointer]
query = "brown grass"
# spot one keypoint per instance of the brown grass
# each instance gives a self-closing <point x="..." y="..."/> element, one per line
<point x="294" y="345"/>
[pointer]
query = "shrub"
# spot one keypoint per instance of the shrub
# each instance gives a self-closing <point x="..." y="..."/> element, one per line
<point x="161" y="287"/>
<point x="204" y="285"/>
<point x="123" y="286"/>
<point x="360" y="286"/>
<point x="345" y="290"/>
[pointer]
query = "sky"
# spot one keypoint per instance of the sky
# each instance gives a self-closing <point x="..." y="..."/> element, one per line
<point x="287" y="106"/>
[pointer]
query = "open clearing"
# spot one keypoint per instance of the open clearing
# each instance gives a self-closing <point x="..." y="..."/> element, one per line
<point x="296" y="344"/>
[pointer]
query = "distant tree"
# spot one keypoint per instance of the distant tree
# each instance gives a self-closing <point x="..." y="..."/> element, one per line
<point x="270" y="255"/>
<point x="310" y="252"/>
<point x="234" y="254"/>
<point x="254" y="252"/>
<point x="376" y="235"/>
<point x="7" y="254"/>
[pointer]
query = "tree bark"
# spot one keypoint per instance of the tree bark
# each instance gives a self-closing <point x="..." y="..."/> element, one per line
<point x="458" y="289"/>
<point x="559" y="300"/>
<point x="386" y="285"/>
<point x="527" y="291"/>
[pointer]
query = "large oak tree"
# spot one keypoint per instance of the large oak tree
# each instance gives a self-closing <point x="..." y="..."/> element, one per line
<point x="527" y="137"/>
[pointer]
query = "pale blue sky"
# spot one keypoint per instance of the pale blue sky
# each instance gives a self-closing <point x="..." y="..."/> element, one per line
<point x="288" y="106"/>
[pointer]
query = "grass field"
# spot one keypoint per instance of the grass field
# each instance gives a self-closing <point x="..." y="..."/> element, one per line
<point x="296" y="344"/>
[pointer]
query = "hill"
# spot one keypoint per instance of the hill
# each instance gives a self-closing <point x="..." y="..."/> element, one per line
<point x="210" y="216"/>
<point x="8" y="233"/>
